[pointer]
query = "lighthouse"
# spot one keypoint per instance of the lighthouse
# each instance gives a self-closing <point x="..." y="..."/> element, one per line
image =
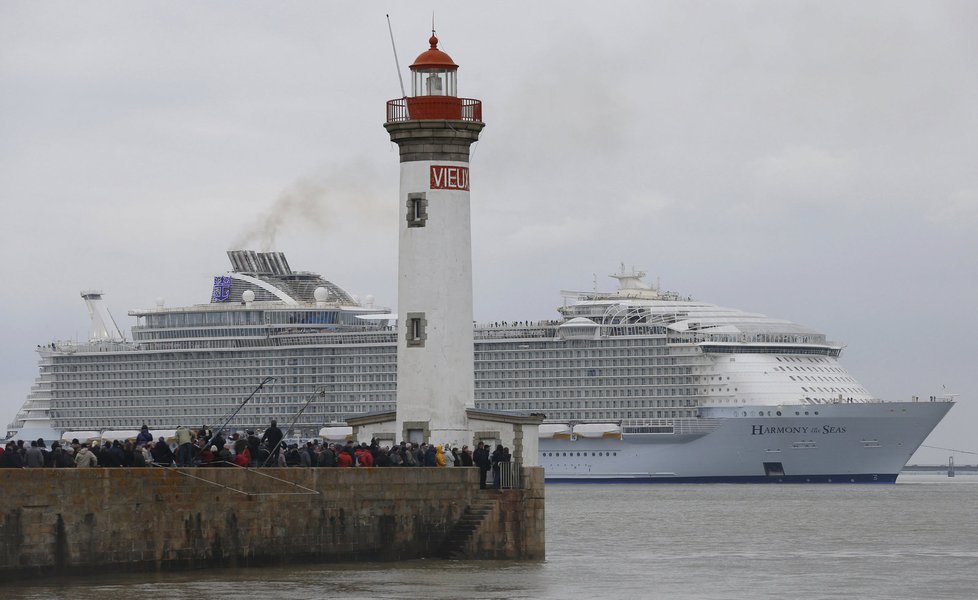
<point x="434" y="129"/>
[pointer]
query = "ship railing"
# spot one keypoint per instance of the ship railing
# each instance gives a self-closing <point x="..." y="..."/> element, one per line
<point x="70" y="347"/>
<point x="510" y="332"/>
<point x="677" y="426"/>
<point x="377" y="337"/>
<point x="546" y="323"/>
<point x="381" y="337"/>
<point x="205" y="344"/>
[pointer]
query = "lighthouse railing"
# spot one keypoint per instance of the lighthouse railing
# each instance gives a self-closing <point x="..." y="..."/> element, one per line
<point x="434" y="107"/>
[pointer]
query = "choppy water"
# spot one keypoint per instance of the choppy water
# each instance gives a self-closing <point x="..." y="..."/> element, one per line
<point x="916" y="539"/>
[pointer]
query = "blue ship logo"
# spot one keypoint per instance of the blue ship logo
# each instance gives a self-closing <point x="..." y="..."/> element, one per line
<point x="222" y="289"/>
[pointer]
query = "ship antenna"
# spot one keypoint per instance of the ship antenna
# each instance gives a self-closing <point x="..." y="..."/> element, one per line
<point x="397" y="63"/>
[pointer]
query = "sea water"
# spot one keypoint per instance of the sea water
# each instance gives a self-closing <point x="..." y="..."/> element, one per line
<point x="916" y="539"/>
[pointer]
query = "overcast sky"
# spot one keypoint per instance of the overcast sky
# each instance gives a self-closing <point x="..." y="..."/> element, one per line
<point x="815" y="161"/>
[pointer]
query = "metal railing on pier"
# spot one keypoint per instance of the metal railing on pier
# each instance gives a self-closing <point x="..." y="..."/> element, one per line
<point x="510" y="476"/>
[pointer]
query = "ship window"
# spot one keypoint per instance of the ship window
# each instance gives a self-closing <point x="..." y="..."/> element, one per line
<point x="417" y="210"/>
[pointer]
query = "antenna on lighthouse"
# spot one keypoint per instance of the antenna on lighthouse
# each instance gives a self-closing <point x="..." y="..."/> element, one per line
<point x="397" y="63"/>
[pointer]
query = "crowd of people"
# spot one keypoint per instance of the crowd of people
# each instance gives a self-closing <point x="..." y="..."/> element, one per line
<point x="204" y="448"/>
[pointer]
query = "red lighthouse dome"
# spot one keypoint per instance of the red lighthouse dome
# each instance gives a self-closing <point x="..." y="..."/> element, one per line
<point x="434" y="73"/>
<point x="433" y="58"/>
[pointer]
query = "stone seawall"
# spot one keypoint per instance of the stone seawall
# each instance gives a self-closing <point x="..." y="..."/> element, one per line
<point x="71" y="520"/>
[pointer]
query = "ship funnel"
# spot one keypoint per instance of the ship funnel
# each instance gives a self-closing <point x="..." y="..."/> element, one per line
<point x="103" y="325"/>
<point x="259" y="263"/>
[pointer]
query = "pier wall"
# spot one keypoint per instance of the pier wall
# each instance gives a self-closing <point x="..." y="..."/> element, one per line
<point x="67" y="521"/>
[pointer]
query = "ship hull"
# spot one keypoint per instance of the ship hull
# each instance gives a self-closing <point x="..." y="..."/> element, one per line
<point x="825" y="478"/>
<point x="841" y="443"/>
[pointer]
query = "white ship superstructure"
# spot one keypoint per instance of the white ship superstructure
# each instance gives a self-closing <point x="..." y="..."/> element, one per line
<point x="713" y="356"/>
<point x="682" y="389"/>
<point x="193" y="365"/>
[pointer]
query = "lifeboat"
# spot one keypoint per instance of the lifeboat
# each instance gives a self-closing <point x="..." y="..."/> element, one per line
<point x="558" y="431"/>
<point x="336" y="433"/>
<point x="598" y="430"/>
<point x="168" y="435"/>
<point x="81" y="436"/>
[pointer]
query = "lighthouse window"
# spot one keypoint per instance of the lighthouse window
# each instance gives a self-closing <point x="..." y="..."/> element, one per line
<point x="415" y="330"/>
<point x="434" y="82"/>
<point x="417" y="210"/>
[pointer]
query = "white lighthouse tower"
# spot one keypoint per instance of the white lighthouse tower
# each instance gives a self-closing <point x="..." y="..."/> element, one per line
<point x="433" y="129"/>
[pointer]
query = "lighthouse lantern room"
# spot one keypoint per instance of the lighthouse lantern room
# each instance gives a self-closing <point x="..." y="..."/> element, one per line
<point x="434" y="73"/>
<point x="434" y="91"/>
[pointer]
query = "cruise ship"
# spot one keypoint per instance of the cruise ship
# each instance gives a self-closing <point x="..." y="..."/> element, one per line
<point x="637" y="384"/>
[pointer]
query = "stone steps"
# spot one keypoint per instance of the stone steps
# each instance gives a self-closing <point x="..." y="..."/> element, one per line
<point x="470" y="522"/>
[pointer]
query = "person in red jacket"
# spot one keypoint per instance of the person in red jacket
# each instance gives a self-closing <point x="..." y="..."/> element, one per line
<point x="343" y="459"/>
<point x="243" y="458"/>
<point x="365" y="458"/>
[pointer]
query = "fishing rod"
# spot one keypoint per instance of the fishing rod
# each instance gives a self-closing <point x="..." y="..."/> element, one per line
<point x="312" y="396"/>
<point x="235" y="413"/>
<point x="261" y="385"/>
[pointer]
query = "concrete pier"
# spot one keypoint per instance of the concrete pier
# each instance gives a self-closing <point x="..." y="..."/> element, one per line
<point x="70" y="521"/>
